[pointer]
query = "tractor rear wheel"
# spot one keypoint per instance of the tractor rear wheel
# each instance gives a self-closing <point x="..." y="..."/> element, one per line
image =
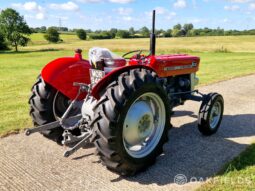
<point x="46" y="105"/>
<point x="131" y="122"/>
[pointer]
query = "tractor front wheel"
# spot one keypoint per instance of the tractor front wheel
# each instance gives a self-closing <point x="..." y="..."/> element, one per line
<point x="210" y="114"/>
<point x="131" y="122"/>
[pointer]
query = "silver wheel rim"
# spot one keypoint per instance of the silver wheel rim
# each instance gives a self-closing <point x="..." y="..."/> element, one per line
<point x="144" y="125"/>
<point x="59" y="105"/>
<point x="215" y="115"/>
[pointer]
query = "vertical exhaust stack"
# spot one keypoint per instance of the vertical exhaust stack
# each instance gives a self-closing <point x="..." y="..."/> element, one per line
<point x="153" y="35"/>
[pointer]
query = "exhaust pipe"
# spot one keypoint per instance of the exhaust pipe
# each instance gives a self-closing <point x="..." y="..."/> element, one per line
<point x="153" y="35"/>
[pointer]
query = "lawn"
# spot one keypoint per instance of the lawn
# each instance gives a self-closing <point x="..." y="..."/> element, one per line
<point x="18" y="71"/>
<point x="238" y="175"/>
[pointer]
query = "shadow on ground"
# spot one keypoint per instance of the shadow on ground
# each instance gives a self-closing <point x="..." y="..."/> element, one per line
<point x="30" y="51"/>
<point x="196" y="156"/>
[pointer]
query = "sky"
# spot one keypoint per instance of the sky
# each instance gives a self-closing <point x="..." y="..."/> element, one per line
<point x="123" y="14"/>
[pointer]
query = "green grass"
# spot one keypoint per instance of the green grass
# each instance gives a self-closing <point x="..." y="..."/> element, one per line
<point x="38" y="38"/>
<point x="238" y="175"/>
<point x="18" y="71"/>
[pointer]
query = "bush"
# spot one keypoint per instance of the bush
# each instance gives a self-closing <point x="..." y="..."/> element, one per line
<point x="82" y="35"/>
<point x="102" y="35"/>
<point x="52" y="35"/>
<point x="122" y="34"/>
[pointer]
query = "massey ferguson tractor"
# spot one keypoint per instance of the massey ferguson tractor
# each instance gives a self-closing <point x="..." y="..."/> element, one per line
<point x="121" y="104"/>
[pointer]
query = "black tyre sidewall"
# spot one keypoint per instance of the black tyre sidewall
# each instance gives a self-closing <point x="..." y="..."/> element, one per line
<point x="205" y="127"/>
<point x="38" y="114"/>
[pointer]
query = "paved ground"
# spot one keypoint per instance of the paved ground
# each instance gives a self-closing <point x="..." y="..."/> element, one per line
<point x="34" y="163"/>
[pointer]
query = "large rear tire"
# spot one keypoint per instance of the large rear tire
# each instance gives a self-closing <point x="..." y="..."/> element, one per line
<point x="131" y="122"/>
<point x="41" y="108"/>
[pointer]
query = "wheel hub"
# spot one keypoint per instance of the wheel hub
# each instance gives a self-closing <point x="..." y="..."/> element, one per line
<point x="215" y="115"/>
<point x="139" y="123"/>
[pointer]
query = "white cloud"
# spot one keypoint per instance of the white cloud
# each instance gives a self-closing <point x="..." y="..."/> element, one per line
<point x="28" y="6"/>
<point x="69" y="6"/>
<point x="161" y="10"/>
<point x="90" y="1"/>
<point x="171" y="15"/>
<point x="226" y="20"/>
<point x="180" y="4"/>
<point x="111" y="1"/>
<point x="40" y="16"/>
<point x="127" y="18"/>
<point x="252" y="6"/>
<point x="31" y="6"/>
<point x="239" y="1"/>
<point x="124" y="11"/>
<point x="121" y="1"/>
<point x="232" y="8"/>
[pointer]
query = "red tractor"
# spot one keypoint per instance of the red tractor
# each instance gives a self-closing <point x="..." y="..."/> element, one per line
<point x="121" y="104"/>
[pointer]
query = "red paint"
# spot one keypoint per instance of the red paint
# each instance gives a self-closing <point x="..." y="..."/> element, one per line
<point x="119" y="62"/>
<point x="63" y="72"/>
<point x="159" y="63"/>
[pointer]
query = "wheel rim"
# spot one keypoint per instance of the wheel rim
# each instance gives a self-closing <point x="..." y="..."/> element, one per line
<point x="60" y="105"/>
<point x="144" y="125"/>
<point x="215" y="115"/>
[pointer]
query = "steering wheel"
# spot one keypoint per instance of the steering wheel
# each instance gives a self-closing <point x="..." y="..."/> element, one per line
<point x="134" y="51"/>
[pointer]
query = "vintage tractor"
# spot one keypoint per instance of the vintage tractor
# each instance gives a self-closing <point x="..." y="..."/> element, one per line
<point x="121" y="104"/>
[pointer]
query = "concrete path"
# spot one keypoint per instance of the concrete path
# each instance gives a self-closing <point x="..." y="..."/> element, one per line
<point x="35" y="163"/>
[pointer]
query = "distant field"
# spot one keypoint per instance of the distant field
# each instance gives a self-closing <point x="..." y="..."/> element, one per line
<point x="18" y="71"/>
<point x="38" y="38"/>
<point x="186" y="44"/>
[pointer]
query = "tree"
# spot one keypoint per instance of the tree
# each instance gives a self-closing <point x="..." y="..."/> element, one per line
<point x="122" y="34"/>
<point x="178" y="27"/>
<point x="160" y="33"/>
<point x="81" y="33"/>
<point x="168" y="33"/>
<point x="145" y="32"/>
<point x="14" y="28"/>
<point x="43" y="29"/>
<point x="3" y="45"/>
<point x="113" y="32"/>
<point x="131" y="31"/>
<point x="188" y="27"/>
<point x="178" y="33"/>
<point x="52" y="35"/>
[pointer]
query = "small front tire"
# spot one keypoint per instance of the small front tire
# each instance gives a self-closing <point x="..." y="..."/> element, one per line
<point x="210" y="114"/>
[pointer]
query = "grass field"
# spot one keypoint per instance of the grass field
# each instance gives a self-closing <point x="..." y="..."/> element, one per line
<point x="18" y="71"/>
<point x="176" y="45"/>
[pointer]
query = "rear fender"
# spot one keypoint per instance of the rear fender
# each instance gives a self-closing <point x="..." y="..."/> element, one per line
<point x="102" y="84"/>
<point x="63" y="72"/>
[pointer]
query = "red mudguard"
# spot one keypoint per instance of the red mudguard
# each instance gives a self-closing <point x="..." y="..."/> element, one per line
<point x="63" y="72"/>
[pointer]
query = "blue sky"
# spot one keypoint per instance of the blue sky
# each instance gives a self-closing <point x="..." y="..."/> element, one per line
<point x="106" y="14"/>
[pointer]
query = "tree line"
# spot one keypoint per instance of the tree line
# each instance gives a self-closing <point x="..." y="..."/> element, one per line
<point x="186" y="30"/>
<point x="15" y="32"/>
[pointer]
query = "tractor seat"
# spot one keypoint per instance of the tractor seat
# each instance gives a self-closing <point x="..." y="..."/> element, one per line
<point x="100" y="57"/>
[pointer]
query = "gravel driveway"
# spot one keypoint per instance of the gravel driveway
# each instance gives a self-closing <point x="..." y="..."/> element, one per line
<point x="35" y="163"/>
